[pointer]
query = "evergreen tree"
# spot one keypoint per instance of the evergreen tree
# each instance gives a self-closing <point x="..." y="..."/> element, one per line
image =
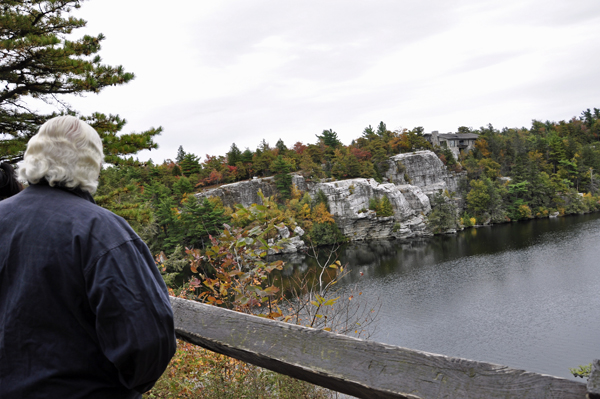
<point x="283" y="180"/>
<point x="200" y="219"/>
<point x="418" y="130"/>
<point x="281" y="147"/>
<point x="180" y="154"/>
<point x="176" y="171"/>
<point x="234" y="155"/>
<point x="123" y="199"/>
<point x="382" y="129"/>
<point x="368" y="133"/>
<point x="170" y="232"/>
<point x="181" y="187"/>
<point x="264" y="146"/>
<point x="450" y="160"/>
<point x="325" y="234"/>
<point x="443" y="214"/>
<point x="190" y="164"/>
<point x="320" y="198"/>
<point x="40" y="60"/>
<point x="329" y="138"/>
<point x="517" y="195"/>
<point x="247" y="156"/>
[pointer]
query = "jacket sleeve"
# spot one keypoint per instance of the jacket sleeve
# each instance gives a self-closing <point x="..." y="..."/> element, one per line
<point x="134" y="319"/>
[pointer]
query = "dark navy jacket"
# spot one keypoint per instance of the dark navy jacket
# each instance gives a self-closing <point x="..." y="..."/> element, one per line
<point x="84" y="312"/>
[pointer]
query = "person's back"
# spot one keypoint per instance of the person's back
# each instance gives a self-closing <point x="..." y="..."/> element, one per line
<point x="84" y="312"/>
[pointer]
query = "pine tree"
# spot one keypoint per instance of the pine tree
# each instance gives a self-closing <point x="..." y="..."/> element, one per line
<point x="329" y="138"/>
<point x="247" y="156"/>
<point x="190" y="164"/>
<point x="382" y="129"/>
<point x="368" y="132"/>
<point x="443" y="214"/>
<point x="281" y="147"/>
<point x="283" y="180"/>
<point x="40" y="61"/>
<point x="418" y="130"/>
<point x="234" y="155"/>
<point x="201" y="217"/>
<point x="171" y="232"/>
<point x="180" y="154"/>
<point x="182" y="186"/>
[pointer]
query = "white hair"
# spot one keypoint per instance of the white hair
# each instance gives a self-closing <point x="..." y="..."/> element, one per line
<point x="66" y="152"/>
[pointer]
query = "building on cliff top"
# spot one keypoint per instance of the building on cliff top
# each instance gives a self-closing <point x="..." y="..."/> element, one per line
<point x="457" y="142"/>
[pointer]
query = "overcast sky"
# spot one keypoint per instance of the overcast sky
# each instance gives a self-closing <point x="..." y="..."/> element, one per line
<point x="212" y="73"/>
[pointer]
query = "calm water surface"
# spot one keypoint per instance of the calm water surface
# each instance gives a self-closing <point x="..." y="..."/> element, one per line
<point x="525" y="295"/>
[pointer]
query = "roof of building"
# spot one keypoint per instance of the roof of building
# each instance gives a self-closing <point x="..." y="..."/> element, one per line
<point x="453" y="136"/>
<point x="459" y="136"/>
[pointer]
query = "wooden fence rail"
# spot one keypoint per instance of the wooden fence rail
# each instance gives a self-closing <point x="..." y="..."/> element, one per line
<point x="361" y="368"/>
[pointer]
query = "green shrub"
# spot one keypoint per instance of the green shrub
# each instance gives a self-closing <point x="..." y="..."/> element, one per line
<point x="443" y="215"/>
<point x="381" y="206"/>
<point x="325" y="234"/>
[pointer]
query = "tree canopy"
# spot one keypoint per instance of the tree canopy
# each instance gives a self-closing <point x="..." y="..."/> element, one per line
<point x="40" y="62"/>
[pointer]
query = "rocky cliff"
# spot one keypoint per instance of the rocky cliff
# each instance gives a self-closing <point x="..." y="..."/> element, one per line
<point x="424" y="170"/>
<point x="246" y="192"/>
<point x="412" y="179"/>
<point x="349" y="205"/>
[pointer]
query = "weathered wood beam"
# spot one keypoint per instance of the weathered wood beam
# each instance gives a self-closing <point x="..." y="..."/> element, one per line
<point x="360" y="368"/>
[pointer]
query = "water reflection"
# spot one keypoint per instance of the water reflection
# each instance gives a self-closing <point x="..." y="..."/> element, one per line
<point x="524" y="295"/>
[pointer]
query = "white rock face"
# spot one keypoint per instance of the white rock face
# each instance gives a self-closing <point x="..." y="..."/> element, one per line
<point x="413" y="177"/>
<point x="349" y="204"/>
<point x="424" y="170"/>
<point x="246" y="192"/>
<point x="417" y="199"/>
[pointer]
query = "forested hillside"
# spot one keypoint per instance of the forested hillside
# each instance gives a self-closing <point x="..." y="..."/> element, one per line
<point x="512" y="174"/>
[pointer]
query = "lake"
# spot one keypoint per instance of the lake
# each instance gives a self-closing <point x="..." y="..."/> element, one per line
<point x="524" y="295"/>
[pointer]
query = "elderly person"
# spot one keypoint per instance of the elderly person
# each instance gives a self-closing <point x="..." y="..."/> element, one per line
<point x="84" y="312"/>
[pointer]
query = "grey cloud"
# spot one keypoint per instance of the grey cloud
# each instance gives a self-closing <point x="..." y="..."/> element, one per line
<point x="357" y="34"/>
<point x="354" y="32"/>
